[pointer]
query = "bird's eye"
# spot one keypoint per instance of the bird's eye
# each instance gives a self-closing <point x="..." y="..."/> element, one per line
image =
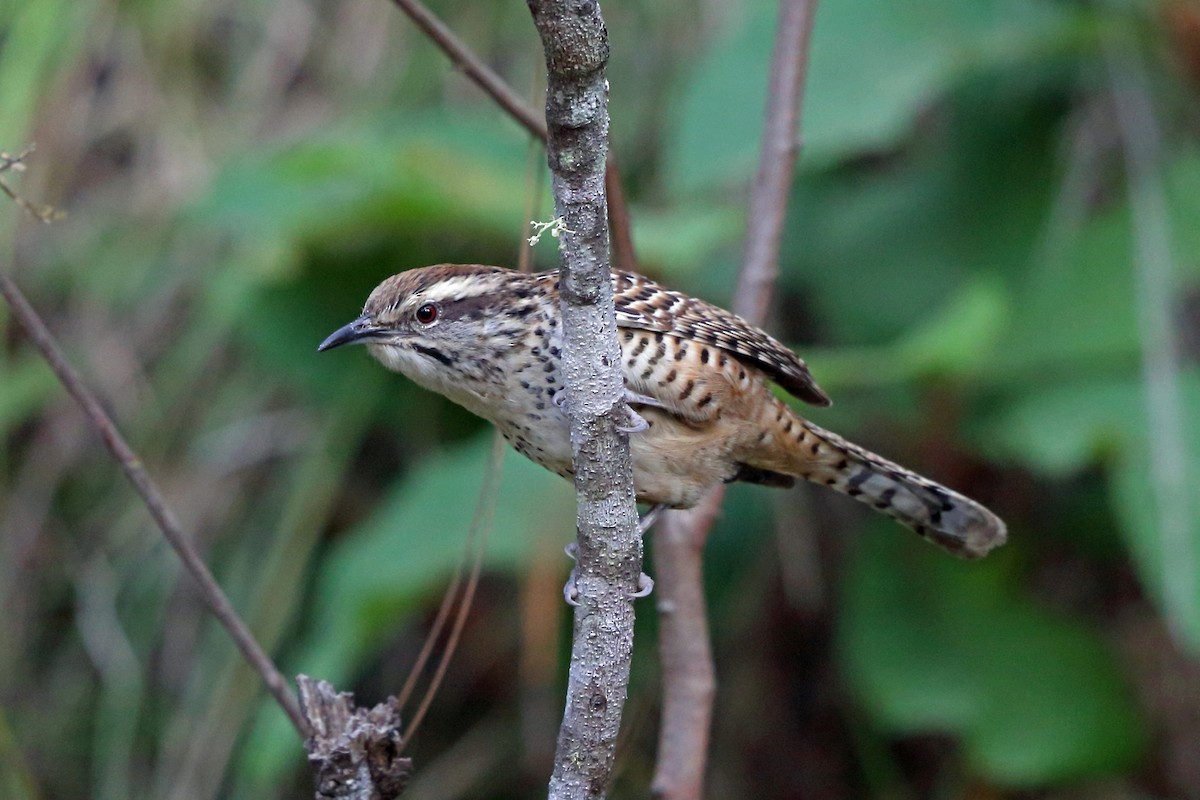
<point x="427" y="313"/>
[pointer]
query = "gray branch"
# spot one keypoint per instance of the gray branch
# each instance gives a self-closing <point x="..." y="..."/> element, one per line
<point x="609" y="549"/>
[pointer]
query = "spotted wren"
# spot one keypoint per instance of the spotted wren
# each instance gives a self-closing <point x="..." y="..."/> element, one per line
<point x="696" y="376"/>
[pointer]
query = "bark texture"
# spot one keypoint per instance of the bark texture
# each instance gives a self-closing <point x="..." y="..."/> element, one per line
<point x="609" y="549"/>
<point x="354" y="752"/>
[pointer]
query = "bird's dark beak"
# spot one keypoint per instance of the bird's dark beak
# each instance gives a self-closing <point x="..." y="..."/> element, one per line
<point x="356" y="332"/>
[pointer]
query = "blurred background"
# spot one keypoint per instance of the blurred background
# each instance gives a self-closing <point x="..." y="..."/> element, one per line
<point x="992" y="264"/>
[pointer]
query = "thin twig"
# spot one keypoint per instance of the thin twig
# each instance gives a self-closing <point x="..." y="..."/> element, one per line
<point x="42" y="213"/>
<point x="155" y="503"/>
<point x="688" y="673"/>
<point x="609" y="549"/>
<point x="491" y="481"/>
<point x="473" y="67"/>
<point x="481" y="527"/>
<point x="777" y="161"/>
<point x="435" y="630"/>
<point x="620" y="226"/>
<point x="473" y="550"/>
<point x="494" y="86"/>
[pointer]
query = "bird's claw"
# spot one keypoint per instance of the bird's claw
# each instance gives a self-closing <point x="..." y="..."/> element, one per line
<point x="637" y="422"/>
<point x="571" y="591"/>
<point x="645" y="586"/>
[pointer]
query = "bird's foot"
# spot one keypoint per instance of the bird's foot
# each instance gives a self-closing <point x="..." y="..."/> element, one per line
<point x="570" y="589"/>
<point x="645" y="584"/>
<point x="637" y="423"/>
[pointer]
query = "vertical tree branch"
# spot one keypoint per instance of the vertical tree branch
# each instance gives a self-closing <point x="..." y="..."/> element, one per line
<point x="609" y="549"/>
<point x="689" y="679"/>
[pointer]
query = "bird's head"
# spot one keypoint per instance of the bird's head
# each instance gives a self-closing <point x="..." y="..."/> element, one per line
<point x="435" y="324"/>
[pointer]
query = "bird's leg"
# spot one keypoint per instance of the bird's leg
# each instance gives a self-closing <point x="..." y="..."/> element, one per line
<point x="643" y="400"/>
<point x="650" y="517"/>
<point x="645" y="582"/>
<point x="637" y="422"/>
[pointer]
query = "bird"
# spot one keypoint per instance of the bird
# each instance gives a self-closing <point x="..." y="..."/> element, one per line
<point x="697" y="383"/>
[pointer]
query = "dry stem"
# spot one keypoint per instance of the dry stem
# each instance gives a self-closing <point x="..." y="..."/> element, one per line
<point x="494" y="86"/>
<point x="155" y="503"/>
<point x="689" y="678"/>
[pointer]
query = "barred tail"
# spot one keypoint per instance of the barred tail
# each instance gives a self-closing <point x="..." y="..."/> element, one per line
<point x="953" y="522"/>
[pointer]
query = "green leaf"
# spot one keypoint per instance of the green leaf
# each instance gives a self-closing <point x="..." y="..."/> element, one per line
<point x="717" y="126"/>
<point x="1159" y="510"/>
<point x="1063" y="428"/>
<point x="28" y="384"/>
<point x="1076" y="305"/>
<point x="429" y="169"/>
<point x="958" y="339"/>
<point x="875" y="66"/>
<point x="905" y="55"/>
<point x="935" y="645"/>
<point x="410" y="543"/>
<point x="679" y="239"/>
<point x="877" y="250"/>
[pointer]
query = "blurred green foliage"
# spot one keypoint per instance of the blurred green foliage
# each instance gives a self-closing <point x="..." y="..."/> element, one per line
<point x="936" y="645"/>
<point x="961" y="269"/>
